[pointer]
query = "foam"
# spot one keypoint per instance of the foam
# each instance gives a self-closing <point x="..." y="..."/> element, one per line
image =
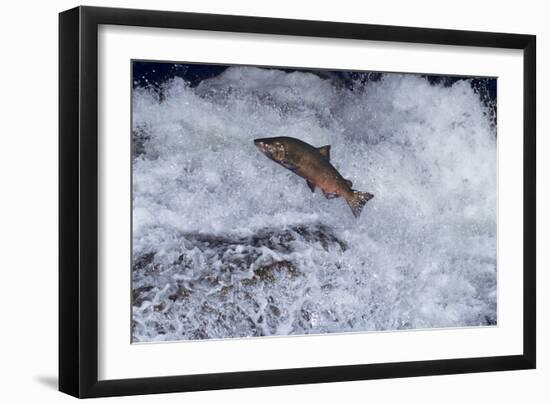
<point x="422" y="254"/>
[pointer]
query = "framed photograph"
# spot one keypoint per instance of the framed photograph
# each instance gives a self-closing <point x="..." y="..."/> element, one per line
<point x="251" y="201"/>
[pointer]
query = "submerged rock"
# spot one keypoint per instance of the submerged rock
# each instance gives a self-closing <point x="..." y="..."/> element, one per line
<point x="140" y="135"/>
<point x="238" y="253"/>
<point x="215" y="283"/>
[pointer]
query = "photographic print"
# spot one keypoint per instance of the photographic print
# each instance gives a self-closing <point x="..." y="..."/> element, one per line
<point x="277" y="201"/>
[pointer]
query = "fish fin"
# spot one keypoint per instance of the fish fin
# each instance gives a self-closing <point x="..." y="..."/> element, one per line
<point x="350" y="184"/>
<point x="311" y="185"/>
<point x="325" y="151"/>
<point x="289" y="166"/>
<point x="357" y="202"/>
<point x="330" y="195"/>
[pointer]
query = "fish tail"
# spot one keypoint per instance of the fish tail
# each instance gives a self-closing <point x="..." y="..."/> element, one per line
<point x="357" y="202"/>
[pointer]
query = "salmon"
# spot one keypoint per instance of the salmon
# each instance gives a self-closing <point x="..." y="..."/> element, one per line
<point x="313" y="164"/>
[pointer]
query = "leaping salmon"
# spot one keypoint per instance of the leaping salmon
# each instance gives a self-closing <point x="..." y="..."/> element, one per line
<point x="313" y="164"/>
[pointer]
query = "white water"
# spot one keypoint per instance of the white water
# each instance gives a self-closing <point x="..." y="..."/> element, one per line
<point x="213" y="210"/>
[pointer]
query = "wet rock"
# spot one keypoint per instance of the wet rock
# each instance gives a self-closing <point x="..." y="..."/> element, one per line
<point x="216" y="282"/>
<point x="140" y="135"/>
<point x="141" y="294"/>
<point x="143" y="261"/>
<point x="279" y="240"/>
<point x="181" y="294"/>
<point x="268" y="273"/>
<point x="490" y="320"/>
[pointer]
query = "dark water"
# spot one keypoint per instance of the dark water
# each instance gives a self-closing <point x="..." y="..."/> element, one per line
<point x="154" y="74"/>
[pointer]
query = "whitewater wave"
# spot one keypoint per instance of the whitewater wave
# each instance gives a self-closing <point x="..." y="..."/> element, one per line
<point x="227" y="243"/>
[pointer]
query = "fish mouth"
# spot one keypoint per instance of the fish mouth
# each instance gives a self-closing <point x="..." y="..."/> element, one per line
<point x="260" y="144"/>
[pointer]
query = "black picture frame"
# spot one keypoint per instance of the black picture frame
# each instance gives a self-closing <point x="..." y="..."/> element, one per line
<point x="78" y="201"/>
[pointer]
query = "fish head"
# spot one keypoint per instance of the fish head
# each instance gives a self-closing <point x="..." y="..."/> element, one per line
<point x="272" y="147"/>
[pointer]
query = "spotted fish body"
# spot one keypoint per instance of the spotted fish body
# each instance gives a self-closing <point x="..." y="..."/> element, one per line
<point x="313" y="164"/>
